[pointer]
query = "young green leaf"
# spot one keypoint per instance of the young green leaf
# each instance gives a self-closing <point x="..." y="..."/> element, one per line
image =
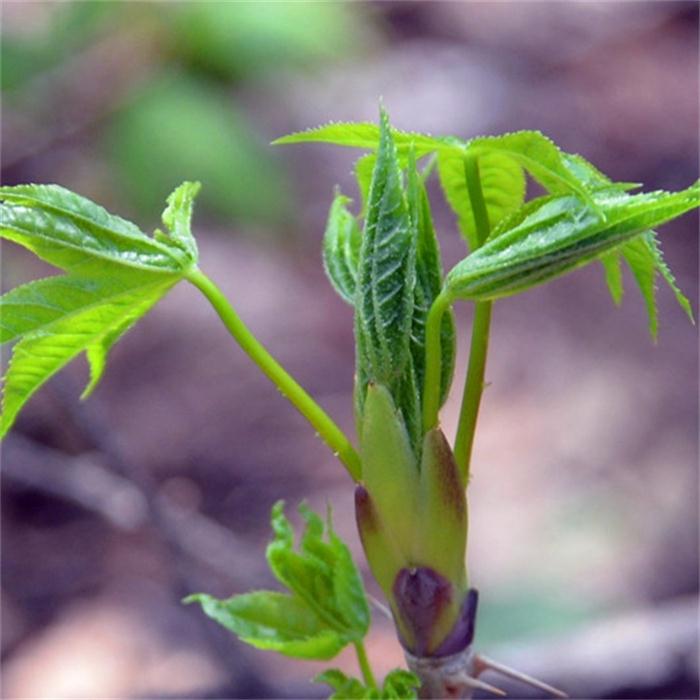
<point x="73" y="233"/>
<point x="502" y="183"/>
<point x="428" y="285"/>
<point x="58" y="318"/>
<point x="341" y="248"/>
<point x="326" y="609"/>
<point x="641" y="262"/>
<point x="613" y="275"/>
<point x="558" y="235"/>
<point x="368" y="136"/>
<point x="642" y="255"/>
<point x="398" y="685"/>
<point x="116" y="274"/>
<point x="321" y="574"/>
<point x="538" y="155"/>
<point x="274" y="621"/>
<point x="364" y="167"/>
<point x="663" y="269"/>
<point x="590" y="177"/>
<point x="178" y="217"/>
<point x="386" y="274"/>
<point x="345" y="687"/>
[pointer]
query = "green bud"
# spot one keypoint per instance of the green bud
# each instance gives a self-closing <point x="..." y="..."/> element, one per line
<point x="441" y="539"/>
<point x="389" y="469"/>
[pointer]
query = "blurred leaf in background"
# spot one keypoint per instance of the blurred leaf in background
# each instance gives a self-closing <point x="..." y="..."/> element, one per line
<point x="176" y="128"/>
<point x="46" y="41"/>
<point x="244" y="39"/>
<point x="175" y="112"/>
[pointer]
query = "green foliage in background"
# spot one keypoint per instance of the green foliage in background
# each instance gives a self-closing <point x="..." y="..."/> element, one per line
<point x="180" y="117"/>
<point x="177" y="127"/>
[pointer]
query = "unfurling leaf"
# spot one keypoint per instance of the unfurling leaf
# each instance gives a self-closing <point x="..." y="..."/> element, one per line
<point x="559" y="234"/>
<point x="178" y="217"/>
<point x="321" y="573"/>
<point x="398" y="685"/>
<point x="344" y="687"/>
<point x="386" y="276"/>
<point x="429" y="276"/>
<point x="326" y="607"/>
<point x="116" y="273"/>
<point x="341" y="248"/>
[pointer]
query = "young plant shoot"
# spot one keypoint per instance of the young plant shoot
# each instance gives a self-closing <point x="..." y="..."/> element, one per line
<point x="410" y="479"/>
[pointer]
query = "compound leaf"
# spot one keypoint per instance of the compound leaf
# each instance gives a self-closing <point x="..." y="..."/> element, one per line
<point x="326" y="607"/>
<point x="116" y="273"/>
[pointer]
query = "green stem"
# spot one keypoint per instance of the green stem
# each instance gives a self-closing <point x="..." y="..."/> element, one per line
<point x="319" y="419"/>
<point x="363" y="662"/>
<point x="476" y="197"/>
<point x="473" y="387"/>
<point x="433" y="361"/>
<point x="474" y="383"/>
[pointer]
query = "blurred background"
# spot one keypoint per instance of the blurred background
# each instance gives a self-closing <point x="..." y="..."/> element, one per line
<point x="584" y="499"/>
